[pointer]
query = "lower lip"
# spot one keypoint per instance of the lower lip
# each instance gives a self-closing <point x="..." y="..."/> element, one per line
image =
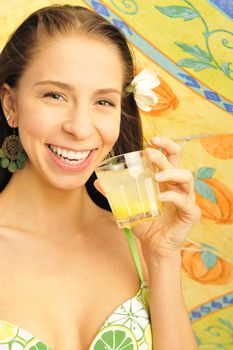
<point x="69" y="167"/>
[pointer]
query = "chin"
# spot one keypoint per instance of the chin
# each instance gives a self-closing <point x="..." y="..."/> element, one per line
<point x="68" y="185"/>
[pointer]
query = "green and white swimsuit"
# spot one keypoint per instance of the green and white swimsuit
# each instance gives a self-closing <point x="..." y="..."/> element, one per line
<point x="127" y="328"/>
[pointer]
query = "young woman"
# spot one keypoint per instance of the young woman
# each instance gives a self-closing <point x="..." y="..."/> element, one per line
<point x="68" y="278"/>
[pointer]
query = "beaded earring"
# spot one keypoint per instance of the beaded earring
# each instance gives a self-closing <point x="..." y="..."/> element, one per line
<point x="12" y="155"/>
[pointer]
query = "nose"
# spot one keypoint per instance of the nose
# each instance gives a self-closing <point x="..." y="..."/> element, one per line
<point x="79" y="122"/>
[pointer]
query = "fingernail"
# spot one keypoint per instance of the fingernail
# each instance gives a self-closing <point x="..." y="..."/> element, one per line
<point x="161" y="196"/>
<point x="159" y="175"/>
<point x="150" y="151"/>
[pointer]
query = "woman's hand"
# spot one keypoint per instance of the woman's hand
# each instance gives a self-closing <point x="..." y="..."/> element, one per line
<point x="164" y="236"/>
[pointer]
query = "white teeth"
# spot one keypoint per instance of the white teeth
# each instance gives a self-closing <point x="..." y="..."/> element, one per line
<point x="71" y="156"/>
<point x="72" y="162"/>
<point x="63" y="153"/>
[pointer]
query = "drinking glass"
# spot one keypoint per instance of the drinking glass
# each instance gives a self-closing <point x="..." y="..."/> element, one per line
<point x="130" y="187"/>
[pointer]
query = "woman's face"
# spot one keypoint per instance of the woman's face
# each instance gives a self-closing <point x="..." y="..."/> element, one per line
<point x="68" y="110"/>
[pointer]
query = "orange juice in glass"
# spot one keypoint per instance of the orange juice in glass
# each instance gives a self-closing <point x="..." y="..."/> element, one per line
<point x="128" y="182"/>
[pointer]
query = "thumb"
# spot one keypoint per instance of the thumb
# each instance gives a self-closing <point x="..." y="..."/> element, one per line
<point x="99" y="187"/>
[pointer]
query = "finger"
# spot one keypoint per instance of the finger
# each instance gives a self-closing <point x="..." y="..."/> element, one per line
<point x="99" y="187"/>
<point x="182" y="177"/>
<point x="158" y="159"/>
<point x="171" y="148"/>
<point x="189" y="212"/>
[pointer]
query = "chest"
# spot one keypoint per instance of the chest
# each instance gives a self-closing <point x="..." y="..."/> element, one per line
<point x="65" y="296"/>
<point x="127" y="326"/>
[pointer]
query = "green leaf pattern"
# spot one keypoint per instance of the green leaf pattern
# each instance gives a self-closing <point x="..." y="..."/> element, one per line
<point x="204" y="59"/>
<point x="205" y="172"/>
<point x="205" y="190"/>
<point x="195" y="64"/>
<point x="178" y="12"/>
<point x="226" y="68"/>
<point x="209" y="259"/>
<point x="196" y="51"/>
<point x="129" y="7"/>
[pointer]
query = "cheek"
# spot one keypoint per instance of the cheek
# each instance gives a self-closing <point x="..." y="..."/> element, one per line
<point x="110" y="130"/>
<point x="32" y="123"/>
<point x="32" y="128"/>
<point x="33" y="115"/>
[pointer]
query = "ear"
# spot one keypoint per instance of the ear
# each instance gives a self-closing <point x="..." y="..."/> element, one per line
<point x="7" y="95"/>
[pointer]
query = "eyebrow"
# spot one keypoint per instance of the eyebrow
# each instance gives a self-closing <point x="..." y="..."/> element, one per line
<point x="70" y="87"/>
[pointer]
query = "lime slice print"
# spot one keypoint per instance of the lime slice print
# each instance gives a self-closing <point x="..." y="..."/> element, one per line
<point x="35" y="344"/>
<point x="131" y="314"/>
<point x="7" y="332"/>
<point x="114" y="338"/>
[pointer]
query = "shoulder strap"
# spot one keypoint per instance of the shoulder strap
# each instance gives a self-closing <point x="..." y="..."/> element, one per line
<point x="134" y="251"/>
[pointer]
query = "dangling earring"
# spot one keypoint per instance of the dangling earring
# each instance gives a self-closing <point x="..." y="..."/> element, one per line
<point x="12" y="155"/>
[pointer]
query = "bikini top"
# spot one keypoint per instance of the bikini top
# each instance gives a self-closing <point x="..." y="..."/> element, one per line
<point x="127" y="328"/>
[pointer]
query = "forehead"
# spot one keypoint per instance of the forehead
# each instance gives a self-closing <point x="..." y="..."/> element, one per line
<point x="76" y="60"/>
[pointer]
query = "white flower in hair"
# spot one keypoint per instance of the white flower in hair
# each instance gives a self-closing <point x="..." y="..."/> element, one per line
<point x="142" y="86"/>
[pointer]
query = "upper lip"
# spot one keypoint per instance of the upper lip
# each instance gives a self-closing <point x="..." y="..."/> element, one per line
<point x="72" y="149"/>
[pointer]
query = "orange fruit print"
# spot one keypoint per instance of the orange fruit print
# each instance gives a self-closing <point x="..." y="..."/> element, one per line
<point x="214" y="198"/>
<point x="167" y="100"/>
<point x="204" y="266"/>
<point x="220" y="146"/>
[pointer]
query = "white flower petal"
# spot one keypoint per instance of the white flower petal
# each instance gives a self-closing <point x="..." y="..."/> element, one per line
<point x="143" y="106"/>
<point x="146" y="79"/>
<point x="145" y="99"/>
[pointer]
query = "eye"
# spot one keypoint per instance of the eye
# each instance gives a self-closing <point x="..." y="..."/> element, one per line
<point x="54" y="95"/>
<point x="105" y="102"/>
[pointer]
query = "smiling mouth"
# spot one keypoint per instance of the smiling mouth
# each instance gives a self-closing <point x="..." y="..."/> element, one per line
<point x="69" y="157"/>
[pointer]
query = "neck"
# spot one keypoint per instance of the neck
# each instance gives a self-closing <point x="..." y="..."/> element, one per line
<point x="31" y="205"/>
